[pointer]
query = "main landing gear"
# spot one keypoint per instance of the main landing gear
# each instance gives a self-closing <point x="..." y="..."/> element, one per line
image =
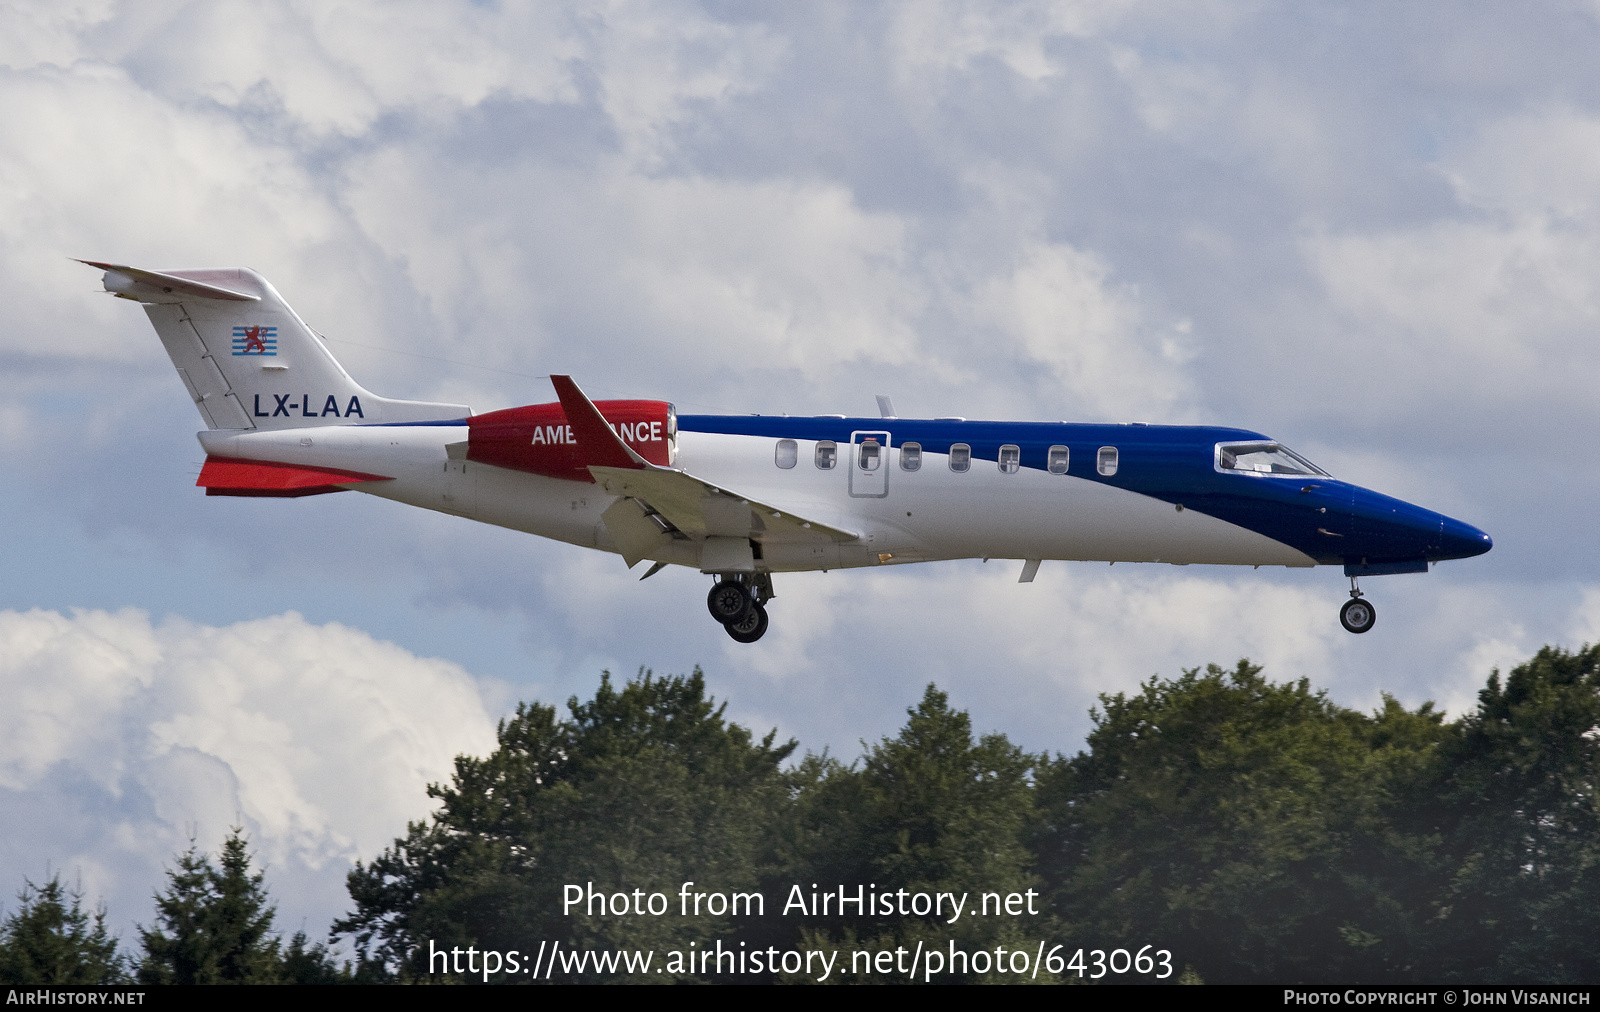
<point x="1357" y="615"/>
<point x="739" y="603"/>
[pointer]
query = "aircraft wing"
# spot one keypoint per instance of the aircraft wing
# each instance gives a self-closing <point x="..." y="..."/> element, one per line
<point x="695" y="506"/>
<point x="664" y="502"/>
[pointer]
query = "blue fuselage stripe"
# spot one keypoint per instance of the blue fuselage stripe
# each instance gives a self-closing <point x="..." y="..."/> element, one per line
<point x="1329" y="520"/>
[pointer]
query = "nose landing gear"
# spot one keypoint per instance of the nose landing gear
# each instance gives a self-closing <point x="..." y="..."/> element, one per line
<point x="1357" y="615"/>
<point x="739" y="603"/>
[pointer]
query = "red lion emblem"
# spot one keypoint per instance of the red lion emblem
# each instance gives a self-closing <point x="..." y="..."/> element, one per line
<point x="253" y="342"/>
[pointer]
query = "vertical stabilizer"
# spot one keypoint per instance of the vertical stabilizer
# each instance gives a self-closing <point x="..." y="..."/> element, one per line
<point x="246" y="359"/>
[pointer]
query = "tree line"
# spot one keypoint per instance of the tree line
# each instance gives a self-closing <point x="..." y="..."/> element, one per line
<point x="1256" y="830"/>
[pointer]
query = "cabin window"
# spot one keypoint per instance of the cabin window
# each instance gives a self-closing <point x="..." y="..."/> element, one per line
<point x="870" y="455"/>
<point x="910" y="456"/>
<point x="1057" y="459"/>
<point x="827" y="454"/>
<point x="1106" y="462"/>
<point x="960" y="457"/>
<point x="1010" y="459"/>
<point x="787" y="454"/>
<point x="1263" y="458"/>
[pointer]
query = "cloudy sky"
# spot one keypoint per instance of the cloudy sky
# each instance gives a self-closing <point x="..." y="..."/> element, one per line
<point x="1372" y="230"/>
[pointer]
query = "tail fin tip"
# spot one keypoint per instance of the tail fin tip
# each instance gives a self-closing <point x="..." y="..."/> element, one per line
<point x="156" y="286"/>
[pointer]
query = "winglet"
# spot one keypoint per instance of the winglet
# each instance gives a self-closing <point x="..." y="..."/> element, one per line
<point x="598" y="443"/>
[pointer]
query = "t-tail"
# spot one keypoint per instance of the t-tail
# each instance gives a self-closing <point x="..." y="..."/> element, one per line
<point x="246" y="359"/>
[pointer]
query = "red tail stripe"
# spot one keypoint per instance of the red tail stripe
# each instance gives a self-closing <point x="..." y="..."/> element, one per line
<point x="230" y="472"/>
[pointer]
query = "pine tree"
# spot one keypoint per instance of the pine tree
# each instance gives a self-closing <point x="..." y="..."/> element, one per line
<point x="213" y="925"/>
<point x="50" y="940"/>
<point x="307" y="962"/>
<point x="242" y="919"/>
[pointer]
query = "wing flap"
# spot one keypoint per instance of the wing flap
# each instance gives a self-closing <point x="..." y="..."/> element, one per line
<point x="634" y="530"/>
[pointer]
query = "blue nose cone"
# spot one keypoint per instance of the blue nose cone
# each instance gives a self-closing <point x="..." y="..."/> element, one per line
<point x="1462" y="541"/>
<point x="1387" y="529"/>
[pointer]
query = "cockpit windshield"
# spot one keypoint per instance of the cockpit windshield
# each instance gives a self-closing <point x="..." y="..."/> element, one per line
<point x="1263" y="458"/>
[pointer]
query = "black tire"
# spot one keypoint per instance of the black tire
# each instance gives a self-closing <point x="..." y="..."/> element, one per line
<point x="728" y="601"/>
<point x="1358" y="615"/>
<point x="752" y="627"/>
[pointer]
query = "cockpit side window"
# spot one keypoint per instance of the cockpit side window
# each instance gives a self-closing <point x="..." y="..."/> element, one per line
<point x="1263" y="458"/>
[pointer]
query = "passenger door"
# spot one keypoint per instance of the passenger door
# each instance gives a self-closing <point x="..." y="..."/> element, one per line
<point x="869" y="464"/>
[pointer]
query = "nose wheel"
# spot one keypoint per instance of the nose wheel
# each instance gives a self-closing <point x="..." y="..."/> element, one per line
<point x="739" y="603"/>
<point x="1357" y="615"/>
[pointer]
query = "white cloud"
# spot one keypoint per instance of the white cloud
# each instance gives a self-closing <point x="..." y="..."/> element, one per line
<point x="664" y="66"/>
<point x="38" y="33"/>
<point x="714" y="272"/>
<point x="65" y="682"/>
<point x="932" y="40"/>
<point x="1585" y="626"/>
<point x="93" y="167"/>
<point x="155" y="144"/>
<point x="319" y="740"/>
<point x="1060" y="309"/>
<point x="335" y="69"/>
<point x="1484" y="302"/>
<point x="1543" y="161"/>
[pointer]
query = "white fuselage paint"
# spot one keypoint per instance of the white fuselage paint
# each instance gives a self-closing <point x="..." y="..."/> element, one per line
<point x="928" y="514"/>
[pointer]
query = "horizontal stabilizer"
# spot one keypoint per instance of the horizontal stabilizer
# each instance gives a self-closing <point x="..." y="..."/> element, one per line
<point x="231" y="476"/>
<point x="154" y="286"/>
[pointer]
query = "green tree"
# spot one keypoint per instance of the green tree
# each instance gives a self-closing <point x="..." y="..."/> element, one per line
<point x="1252" y="829"/>
<point x="213" y="923"/>
<point x="642" y="788"/>
<point x="307" y="962"/>
<point x="1520" y="814"/>
<point x="928" y="811"/>
<point x="50" y="940"/>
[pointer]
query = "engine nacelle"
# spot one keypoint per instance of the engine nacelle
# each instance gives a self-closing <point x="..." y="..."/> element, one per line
<point x="536" y="438"/>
